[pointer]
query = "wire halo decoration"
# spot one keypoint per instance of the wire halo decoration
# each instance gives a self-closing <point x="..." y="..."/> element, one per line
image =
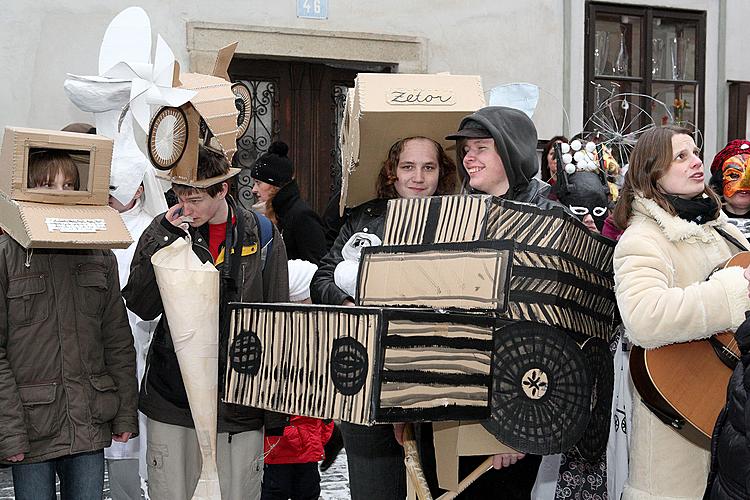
<point x="167" y="137"/>
<point x="615" y="131"/>
<point x="541" y="390"/>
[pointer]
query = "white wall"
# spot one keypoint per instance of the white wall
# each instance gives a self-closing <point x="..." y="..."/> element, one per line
<point x="541" y="42"/>
<point x="503" y="41"/>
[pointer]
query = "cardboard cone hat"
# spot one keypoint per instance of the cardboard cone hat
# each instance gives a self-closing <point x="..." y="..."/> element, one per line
<point x="190" y="293"/>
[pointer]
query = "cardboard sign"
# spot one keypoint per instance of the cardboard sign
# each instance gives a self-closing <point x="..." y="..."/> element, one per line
<point x="384" y="108"/>
<point x="42" y="225"/>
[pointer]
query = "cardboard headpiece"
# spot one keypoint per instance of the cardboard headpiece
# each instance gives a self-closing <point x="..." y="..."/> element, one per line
<point x="215" y="117"/>
<point x="384" y="108"/>
<point x="44" y="218"/>
<point x="121" y="97"/>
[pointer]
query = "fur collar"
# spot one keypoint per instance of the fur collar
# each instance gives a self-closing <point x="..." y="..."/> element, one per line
<point x="675" y="228"/>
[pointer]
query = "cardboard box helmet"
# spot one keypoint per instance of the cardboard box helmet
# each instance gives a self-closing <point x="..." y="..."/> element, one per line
<point x="215" y="118"/>
<point x="45" y="218"/>
<point x="385" y="108"/>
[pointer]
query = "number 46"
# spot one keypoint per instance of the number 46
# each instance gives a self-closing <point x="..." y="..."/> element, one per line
<point x="314" y="6"/>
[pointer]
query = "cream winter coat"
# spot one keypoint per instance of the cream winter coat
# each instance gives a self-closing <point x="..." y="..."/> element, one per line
<point x="661" y="264"/>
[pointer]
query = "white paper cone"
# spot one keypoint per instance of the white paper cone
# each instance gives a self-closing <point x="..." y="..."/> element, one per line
<point x="190" y="293"/>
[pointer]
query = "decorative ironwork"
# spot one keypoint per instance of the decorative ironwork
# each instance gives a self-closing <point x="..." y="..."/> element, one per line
<point x="338" y="105"/>
<point x="263" y="128"/>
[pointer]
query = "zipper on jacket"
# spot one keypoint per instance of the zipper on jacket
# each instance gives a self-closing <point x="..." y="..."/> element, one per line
<point x="62" y="355"/>
<point x="242" y="281"/>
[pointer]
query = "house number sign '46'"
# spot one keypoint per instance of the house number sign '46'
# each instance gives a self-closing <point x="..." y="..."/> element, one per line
<point x="312" y="9"/>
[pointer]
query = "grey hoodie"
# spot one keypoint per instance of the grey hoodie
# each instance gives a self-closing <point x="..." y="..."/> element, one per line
<point x="515" y="139"/>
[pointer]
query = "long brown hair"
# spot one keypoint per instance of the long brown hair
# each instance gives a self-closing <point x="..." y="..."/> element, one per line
<point x="387" y="176"/>
<point x="649" y="161"/>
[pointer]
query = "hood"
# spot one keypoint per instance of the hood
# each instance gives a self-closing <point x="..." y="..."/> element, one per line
<point x="515" y="139"/>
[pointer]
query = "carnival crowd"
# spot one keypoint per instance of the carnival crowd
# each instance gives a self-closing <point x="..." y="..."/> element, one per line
<point x="89" y="370"/>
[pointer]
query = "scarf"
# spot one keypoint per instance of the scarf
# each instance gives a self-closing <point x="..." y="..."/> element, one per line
<point x="699" y="209"/>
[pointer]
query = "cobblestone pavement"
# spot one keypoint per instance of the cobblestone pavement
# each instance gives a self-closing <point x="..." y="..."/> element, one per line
<point x="334" y="483"/>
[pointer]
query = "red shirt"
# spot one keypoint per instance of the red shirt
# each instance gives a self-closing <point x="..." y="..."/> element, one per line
<point x="217" y="233"/>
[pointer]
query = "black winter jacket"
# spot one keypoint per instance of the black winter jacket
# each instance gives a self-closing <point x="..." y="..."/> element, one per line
<point x="163" y="397"/>
<point x="368" y="218"/>
<point x="300" y="226"/>
<point x="729" y="478"/>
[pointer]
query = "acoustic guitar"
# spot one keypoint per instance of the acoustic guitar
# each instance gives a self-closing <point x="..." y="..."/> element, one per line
<point x="685" y="385"/>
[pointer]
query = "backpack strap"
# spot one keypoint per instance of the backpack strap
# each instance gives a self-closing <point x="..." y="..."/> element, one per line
<point x="265" y="229"/>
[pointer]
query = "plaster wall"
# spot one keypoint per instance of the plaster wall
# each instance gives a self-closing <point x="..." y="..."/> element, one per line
<point x="503" y="41"/>
<point x="540" y="42"/>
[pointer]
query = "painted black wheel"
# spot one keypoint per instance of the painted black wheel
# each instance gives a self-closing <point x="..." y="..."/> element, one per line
<point x="167" y="137"/>
<point x="243" y="102"/>
<point x="246" y="353"/>
<point x="349" y="362"/>
<point x="541" y="392"/>
<point x="601" y="371"/>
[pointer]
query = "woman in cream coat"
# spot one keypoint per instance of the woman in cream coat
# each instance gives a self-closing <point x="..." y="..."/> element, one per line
<point x="671" y="245"/>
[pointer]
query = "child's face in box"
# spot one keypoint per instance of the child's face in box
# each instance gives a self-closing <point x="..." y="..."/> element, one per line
<point x="61" y="182"/>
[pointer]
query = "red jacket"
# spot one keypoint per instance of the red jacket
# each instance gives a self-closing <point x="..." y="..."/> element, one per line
<point x="301" y="443"/>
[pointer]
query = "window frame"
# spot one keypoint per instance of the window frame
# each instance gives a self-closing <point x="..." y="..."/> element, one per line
<point x="646" y="80"/>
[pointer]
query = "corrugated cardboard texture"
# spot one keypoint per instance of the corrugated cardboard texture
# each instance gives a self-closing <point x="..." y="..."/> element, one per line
<point x="282" y="359"/>
<point x="460" y="439"/>
<point x="360" y="365"/>
<point x="215" y="103"/>
<point x="14" y="165"/>
<point x="28" y="223"/>
<point x="389" y="107"/>
<point x="464" y="276"/>
<point x="435" y="367"/>
<point x="438" y="219"/>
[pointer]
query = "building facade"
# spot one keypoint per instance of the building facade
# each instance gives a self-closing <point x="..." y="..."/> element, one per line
<point x="688" y="54"/>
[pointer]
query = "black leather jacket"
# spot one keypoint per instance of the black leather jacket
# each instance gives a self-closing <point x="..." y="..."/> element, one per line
<point x="368" y="217"/>
<point x="163" y="397"/>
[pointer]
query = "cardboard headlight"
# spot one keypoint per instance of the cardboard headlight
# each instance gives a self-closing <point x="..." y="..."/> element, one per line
<point x="215" y="117"/>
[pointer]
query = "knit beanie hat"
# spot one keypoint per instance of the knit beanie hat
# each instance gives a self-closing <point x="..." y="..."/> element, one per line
<point x="274" y="167"/>
<point x="734" y="148"/>
<point x="300" y="275"/>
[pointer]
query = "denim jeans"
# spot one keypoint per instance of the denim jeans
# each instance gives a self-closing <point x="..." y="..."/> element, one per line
<point x="81" y="478"/>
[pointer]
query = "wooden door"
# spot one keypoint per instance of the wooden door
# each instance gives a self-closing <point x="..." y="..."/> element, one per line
<point x="300" y="103"/>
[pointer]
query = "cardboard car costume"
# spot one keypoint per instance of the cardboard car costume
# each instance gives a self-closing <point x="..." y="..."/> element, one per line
<point x="492" y="280"/>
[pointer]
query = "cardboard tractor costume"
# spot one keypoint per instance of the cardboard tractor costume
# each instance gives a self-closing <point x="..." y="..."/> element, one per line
<point x="516" y="313"/>
<point x="43" y="218"/>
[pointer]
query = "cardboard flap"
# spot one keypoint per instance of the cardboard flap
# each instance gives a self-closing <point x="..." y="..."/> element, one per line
<point x="40" y="225"/>
<point x="215" y="103"/>
<point x="388" y="107"/>
<point x="461" y="439"/>
<point x="464" y="276"/>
